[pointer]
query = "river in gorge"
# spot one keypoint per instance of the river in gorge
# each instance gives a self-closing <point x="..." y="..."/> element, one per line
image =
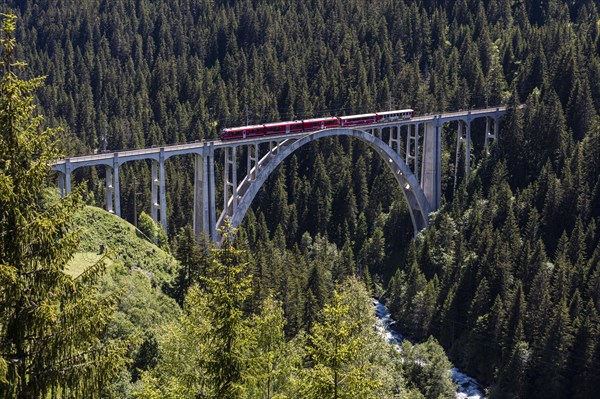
<point x="468" y="387"/>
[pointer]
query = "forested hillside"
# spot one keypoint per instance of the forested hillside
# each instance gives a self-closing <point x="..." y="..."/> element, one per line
<point x="508" y="276"/>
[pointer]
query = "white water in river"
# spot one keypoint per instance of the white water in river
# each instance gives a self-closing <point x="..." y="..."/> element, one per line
<point x="468" y="387"/>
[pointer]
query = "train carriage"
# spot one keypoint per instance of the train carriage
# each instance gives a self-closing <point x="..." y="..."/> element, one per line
<point x="283" y="127"/>
<point x="242" y="132"/>
<point x="401" y="114"/>
<point x="320" y="123"/>
<point x="309" y="125"/>
<point x="355" y="120"/>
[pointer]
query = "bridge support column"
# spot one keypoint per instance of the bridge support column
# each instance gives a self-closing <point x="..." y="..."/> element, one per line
<point x="234" y="177"/>
<point x="252" y="162"/>
<point x="412" y="148"/>
<point x="162" y="189"/>
<point x="496" y="125"/>
<point x="68" y="176"/>
<point x="395" y="138"/>
<point x="438" y="163"/>
<point x="61" y="184"/>
<point x="431" y="172"/>
<point x="230" y="180"/>
<point x="468" y="150"/>
<point x="212" y="207"/>
<point x="376" y="132"/>
<point x="416" y="135"/>
<point x="155" y="205"/>
<point x="110" y="190"/>
<point x="116" y="185"/>
<point x="457" y="152"/>
<point x="486" y="143"/>
<point x="274" y="147"/>
<point x="201" y="205"/>
<point x="489" y="136"/>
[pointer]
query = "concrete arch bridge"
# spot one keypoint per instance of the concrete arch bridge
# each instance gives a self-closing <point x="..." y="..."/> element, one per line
<point x="411" y="148"/>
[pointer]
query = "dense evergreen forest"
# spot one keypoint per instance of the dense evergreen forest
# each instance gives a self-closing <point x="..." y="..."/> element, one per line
<point x="507" y="277"/>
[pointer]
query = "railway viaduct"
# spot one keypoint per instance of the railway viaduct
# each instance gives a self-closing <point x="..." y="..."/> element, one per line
<point x="411" y="148"/>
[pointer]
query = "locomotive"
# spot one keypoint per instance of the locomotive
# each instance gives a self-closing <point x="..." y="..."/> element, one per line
<point x="309" y="125"/>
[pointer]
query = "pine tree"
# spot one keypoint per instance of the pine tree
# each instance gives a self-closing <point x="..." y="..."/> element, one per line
<point x="50" y="323"/>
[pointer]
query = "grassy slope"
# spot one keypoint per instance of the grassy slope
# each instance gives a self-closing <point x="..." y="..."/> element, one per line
<point x="83" y="260"/>
<point x="137" y="269"/>
<point x="123" y="242"/>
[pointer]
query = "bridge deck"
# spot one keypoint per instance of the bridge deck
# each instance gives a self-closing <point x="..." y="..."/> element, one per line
<point x="197" y="147"/>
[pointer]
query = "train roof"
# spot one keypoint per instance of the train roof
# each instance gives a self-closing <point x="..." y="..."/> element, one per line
<point x="326" y="118"/>
<point x="398" y="111"/>
<point x="357" y="116"/>
<point x="281" y="123"/>
<point x="240" y="128"/>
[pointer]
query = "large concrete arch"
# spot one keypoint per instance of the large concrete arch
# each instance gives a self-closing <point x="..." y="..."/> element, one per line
<point x="423" y="196"/>
<point x="418" y="205"/>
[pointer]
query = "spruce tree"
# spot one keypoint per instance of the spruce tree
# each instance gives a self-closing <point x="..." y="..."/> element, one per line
<point x="50" y="323"/>
<point x="193" y="257"/>
<point x="347" y="358"/>
<point x="273" y="363"/>
<point x="580" y="109"/>
<point x="228" y="287"/>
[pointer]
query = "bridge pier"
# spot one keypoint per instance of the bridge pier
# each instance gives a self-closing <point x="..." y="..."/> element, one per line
<point x="162" y="189"/>
<point x="416" y="132"/>
<point x="116" y="187"/>
<point x="201" y="194"/>
<point x="468" y="149"/>
<point x="431" y="173"/>
<point x="67" y="176"/>
<point x="395" y="138"/>
<point x="212" y="206"/>
<point x="159" y="194"/>
<point x="252" y="162"/>
<point x="230" y="180"/>
<point x="460" y="138"/>
<point x="64" y="179"/>
<point x="154" y="197"/>
<point x="109" y="190"/>
<point x="489" y="136"/>
<point x="61" y="184"/>
<point x="412" y="147"/>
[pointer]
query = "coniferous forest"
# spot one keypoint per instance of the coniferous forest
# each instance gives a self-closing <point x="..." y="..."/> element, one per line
<point x="506" y="279"/>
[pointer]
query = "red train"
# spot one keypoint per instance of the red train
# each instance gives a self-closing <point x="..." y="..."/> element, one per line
<point x="309" y="125"/>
